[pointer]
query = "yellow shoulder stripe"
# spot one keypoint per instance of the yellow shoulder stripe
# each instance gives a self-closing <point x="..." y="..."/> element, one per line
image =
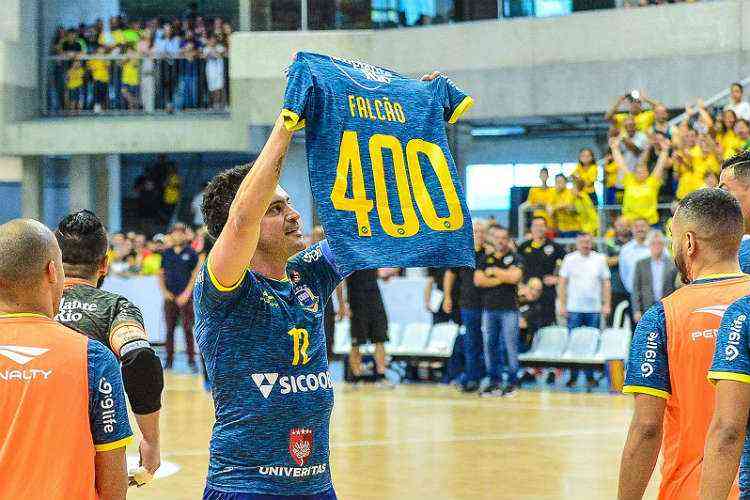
<point x="461" y="109"/>
<point x="292" y="121"/>
<point x="22" y="315"/>
<point x="639" y="389"/>
<point x="217" y="284"/>
<point x="737" y="377"/>
<point x="120" y="443"/>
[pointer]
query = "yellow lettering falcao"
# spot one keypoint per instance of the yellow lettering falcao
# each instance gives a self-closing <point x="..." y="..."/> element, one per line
<point x="382" y="110"/>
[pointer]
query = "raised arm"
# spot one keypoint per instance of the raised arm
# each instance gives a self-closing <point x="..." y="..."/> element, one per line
<point x="663" y="161"/>
<point x="614" y="146"/>
<point x="238" y="240"/>
<point x="610" y="115"/>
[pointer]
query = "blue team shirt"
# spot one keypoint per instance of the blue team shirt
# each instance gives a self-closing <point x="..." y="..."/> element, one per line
<point x="265" y="353"/>
<point x="108" y="412"/>
<point x="648" y="366"/>
<point x="732" y="362"/>
<point x="744" y="255"/>
<point x="385" y="184"/>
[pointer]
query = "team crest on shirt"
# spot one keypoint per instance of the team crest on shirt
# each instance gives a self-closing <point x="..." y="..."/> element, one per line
<point x="300" y="445"/>
<point x="548" y="250"/>
<point x="507" y="260"/>
<point x="307" y="298"/>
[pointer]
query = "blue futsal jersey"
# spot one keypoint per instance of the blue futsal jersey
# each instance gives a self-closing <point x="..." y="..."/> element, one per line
<point x="744" y="254"/>
<point x="732" y="362"/>
<point x="385" y="185"/>
<point x="265" y="353"/>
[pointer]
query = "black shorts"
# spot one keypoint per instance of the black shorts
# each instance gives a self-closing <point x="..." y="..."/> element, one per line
<point x="368" y="327"/>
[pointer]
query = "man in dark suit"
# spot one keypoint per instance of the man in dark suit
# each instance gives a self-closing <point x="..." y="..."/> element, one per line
<point x="655" y="276"/>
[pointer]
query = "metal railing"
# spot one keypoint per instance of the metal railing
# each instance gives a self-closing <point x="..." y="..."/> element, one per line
<point x="119" y="84"/>
<point x="709" y="102"/>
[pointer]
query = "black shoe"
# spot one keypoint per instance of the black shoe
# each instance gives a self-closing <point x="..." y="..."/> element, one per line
<point x="527" y="378"/>
<point x="592" y="384"/>
<point x="509" y="391"/>
<point x="491" y="390"/>
<point x="570" y="384"/>
<point x="470" y="387"/>
<point x="551" y="378"/>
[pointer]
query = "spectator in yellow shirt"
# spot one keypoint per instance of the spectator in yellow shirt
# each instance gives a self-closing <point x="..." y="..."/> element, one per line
<point x="587" y="171"/>
<point x="131" y="79"/>
<point x="612" y="193"/>
<point x="540" y="197"/>
<point x="99" y="69"/>
<point x="74" y="85"/>
<point x="728" y="141"/>
<point x="641" y="196"/>
<point x="585" y="209"/>
<point x="644" y="119"/>
<point x="563" y="210"/>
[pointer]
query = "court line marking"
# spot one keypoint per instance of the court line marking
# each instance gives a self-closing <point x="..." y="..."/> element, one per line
<point x="509" y="436"/>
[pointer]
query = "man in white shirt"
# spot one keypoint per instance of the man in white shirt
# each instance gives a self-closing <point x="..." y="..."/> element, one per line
<point x="736" y="104"/>
<point x="585" y="291"/>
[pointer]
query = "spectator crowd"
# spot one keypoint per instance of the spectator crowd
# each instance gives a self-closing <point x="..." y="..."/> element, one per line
<point x="158" y="64"/>
<point x="649" y="163"/>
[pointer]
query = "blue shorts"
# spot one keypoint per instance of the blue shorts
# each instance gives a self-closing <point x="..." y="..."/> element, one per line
<point x="212" y="494"/>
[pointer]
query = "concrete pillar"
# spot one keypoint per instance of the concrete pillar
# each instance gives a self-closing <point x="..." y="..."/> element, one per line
<point x="32" y="200"/>
<point x="82" y="183"/>
<point x="245" y="15"/>
<point x="114" y="198"/>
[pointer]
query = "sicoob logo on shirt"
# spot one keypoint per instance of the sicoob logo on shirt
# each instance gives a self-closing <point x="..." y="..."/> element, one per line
<point x="294" y="384"/>
<point x="300" y="445"/>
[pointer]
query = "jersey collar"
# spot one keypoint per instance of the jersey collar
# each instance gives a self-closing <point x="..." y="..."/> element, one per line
<point x="22" y="315"/>
<point x="715" y="277"/>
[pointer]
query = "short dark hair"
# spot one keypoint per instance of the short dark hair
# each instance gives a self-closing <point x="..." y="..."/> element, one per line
<point x="561" y="175"/>
<point x="218" y="197"/>
<point x="742" y="120"/>
<point x="718" y="217"/>
<point x="496" y="226"/>
<point x="83" y="241"/>
<point x="543" y="169"/>
<point x="740" y="164"/>
<point x="738" y="85"/>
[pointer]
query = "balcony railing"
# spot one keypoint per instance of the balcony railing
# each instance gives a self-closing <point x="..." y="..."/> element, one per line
<point x="117" y="84"/>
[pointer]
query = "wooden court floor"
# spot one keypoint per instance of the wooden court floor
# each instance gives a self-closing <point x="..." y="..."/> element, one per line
<point x="430" y="442"/>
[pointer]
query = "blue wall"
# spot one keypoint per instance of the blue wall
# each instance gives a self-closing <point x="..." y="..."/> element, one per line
<point x="10" y="201"/>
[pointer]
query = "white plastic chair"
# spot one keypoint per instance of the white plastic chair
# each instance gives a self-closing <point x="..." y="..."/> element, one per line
<point x="619" y="313"/>
<point x="549" y="344"/>
<point x="395" y="336"/>
<point x="442" y="338"/>
<point x="342" y="341"/>
<point x="615" y="344"/>
<point x="582" y="345"/>
<point x="414" y="339"/>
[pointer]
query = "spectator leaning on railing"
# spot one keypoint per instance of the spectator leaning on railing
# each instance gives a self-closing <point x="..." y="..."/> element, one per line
<point x="540" y="197"/>
<point x="562" y="209"/>
<point x="587" y="171"/>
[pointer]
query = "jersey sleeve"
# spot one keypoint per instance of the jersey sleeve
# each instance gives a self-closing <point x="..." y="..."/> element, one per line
<point x="127" y="332"/>
<point x="210" y="295"/>
<point x="298" y="89"/>
<point x="518" y="261"/>
<point x="108" y="414"/>
<point x="455" y="101"/>
<point x="318" y="267"/>
<point x="648" y="366"/>
<point x="732" y="354"/>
